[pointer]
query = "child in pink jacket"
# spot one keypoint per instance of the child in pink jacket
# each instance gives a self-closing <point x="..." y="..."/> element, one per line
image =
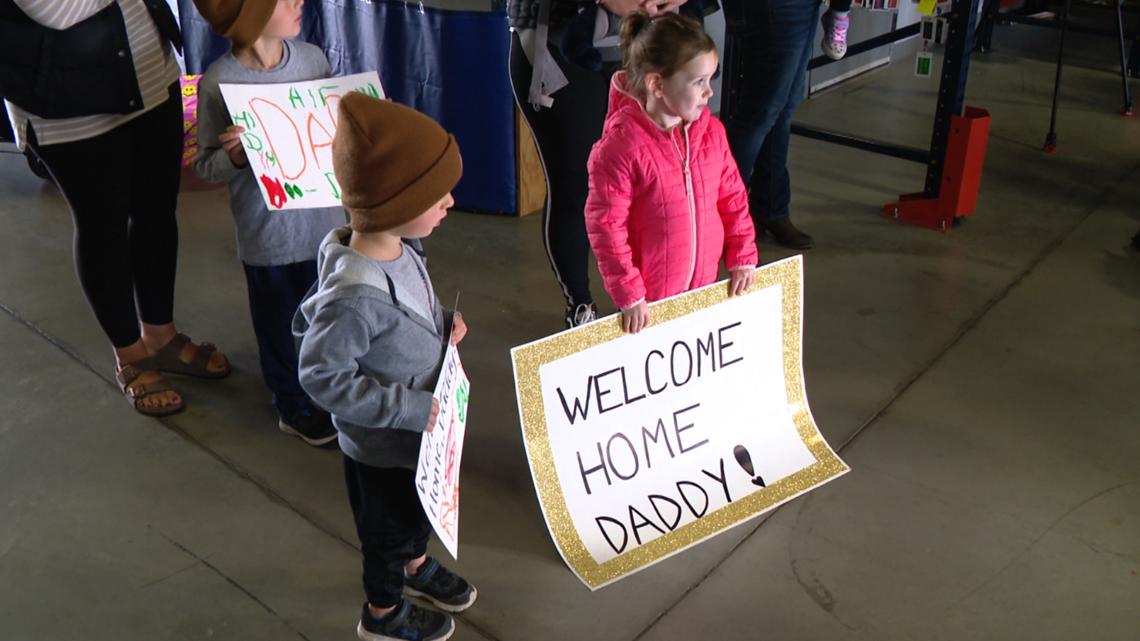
<point x="666" y="201"/>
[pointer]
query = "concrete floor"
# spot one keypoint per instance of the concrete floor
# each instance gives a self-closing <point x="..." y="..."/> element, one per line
<point x="982" y="385"/>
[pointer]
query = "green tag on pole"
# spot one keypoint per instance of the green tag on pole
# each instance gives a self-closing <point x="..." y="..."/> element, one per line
<point x="922" y="64"/>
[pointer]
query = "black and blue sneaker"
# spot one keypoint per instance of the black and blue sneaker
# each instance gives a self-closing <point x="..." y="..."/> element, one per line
<point x="444" y="588"/>
<point x="311" y="425"/>
<point x="408" y="622"/>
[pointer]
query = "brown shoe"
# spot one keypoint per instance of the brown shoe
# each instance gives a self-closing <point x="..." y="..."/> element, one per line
<point x="785" y="233"/>
<point x="169" y="359"/>
<point x="136" y="391"/>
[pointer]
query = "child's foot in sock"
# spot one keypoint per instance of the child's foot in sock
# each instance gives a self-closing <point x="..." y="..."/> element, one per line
<point x="408" y="622"/>
<point x="835" y="25"/>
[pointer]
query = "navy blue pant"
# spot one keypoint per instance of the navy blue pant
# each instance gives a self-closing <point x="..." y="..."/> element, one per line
<point x="775" y="45"/>
<point x="275" y="292"/>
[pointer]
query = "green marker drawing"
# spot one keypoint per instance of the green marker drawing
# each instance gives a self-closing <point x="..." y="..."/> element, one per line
<point x="295" y="99"/>
<point x="461" y="398"/>
<point x="245" y="119"/>
<point x="368" y="90"/>
<point x="252" y="142"/>
<point x="331" y="177"/>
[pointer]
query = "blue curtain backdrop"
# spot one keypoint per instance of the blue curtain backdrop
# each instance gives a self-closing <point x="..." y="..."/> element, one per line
<point x="451" y="65"/>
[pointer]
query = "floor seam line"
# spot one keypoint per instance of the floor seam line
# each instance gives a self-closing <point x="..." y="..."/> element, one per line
<point x="973" y="322"/>
<point x="234" y="468"/>
<point x="232" y="581"/>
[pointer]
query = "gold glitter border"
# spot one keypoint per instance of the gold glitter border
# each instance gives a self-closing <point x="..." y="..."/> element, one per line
<point x="527" y="359"/>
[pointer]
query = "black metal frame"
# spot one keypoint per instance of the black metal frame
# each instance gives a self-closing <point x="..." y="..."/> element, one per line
<point x="952" y="86"/>
<point x="992" y="16"/>
<point x="951" y="90"/>
<point x="1129" y="63"/>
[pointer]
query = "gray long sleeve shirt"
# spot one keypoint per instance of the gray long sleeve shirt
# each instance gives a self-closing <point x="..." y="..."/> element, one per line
<point x="263" y="237"/>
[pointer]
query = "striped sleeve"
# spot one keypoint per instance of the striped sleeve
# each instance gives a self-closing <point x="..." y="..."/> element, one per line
<point x="60" y="14"/>
<point x="155" y="69"/>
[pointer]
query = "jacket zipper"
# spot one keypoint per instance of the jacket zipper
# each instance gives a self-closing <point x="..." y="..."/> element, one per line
<point x="692" y="201"/>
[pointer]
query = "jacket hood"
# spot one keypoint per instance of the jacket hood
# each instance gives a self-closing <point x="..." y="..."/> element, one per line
<point x="343" y="273"/>
<point x="625" y="109"/>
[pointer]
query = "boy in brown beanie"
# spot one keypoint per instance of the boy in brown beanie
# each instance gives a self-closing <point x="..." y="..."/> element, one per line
<point x="372" y="343"/>
<point x="278" y="250"/>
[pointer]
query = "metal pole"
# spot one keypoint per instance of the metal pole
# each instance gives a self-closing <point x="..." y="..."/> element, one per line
<point x="1127" y="110"/>
<point x="951" y="87"/>
<point x="921" y="156"/>
<point x="1051" y="137"/>
<point x="1134" y="54"/>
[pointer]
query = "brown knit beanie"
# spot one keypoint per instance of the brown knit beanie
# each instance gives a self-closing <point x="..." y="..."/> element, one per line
<point x="242" y="21"/>
<point x="392" y="162"/>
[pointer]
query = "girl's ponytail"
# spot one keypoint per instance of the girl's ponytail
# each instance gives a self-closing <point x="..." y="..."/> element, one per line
<point x="632" y="25"/>
<point x="660" y="44"/>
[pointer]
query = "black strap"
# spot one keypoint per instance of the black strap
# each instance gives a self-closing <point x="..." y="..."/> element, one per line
<point x="164" y="19"/>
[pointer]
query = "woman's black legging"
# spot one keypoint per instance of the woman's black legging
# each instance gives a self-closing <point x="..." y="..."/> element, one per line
<point x="564" y="133"/>
<point x="122" y="187"/>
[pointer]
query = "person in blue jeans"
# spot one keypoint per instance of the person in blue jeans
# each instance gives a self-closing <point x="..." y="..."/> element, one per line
<point x="773" y="41"/>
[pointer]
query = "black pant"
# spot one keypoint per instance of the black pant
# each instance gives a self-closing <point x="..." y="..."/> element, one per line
<point x="564" y="133"/>
<point x="122" y="187"/>
<point x="275" y="292"/>
<point x="391" y="524"/>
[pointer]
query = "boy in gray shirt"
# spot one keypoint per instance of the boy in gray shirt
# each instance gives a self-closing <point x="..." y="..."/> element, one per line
<point x="277" y="248"/>
<point x="372" y="341"/>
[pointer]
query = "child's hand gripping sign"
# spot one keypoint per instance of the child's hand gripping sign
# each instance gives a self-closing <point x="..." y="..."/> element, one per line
<point x="287" y="132"/>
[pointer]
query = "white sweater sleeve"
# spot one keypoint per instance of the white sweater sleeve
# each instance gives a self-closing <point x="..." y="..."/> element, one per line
<point x="61" y="14"/>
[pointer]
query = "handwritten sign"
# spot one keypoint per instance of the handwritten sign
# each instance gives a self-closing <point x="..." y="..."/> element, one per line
<point x="437" y="473"/>
<point x="289" y="130"/>
<point x="643" y="445"/>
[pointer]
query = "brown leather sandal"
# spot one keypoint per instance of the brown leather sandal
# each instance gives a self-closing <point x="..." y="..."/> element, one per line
<point x="135" y="391"/>
<point x="168" y="359"/>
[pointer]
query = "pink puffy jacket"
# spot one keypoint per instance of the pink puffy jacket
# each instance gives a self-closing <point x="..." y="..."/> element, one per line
<point x="664" y="206"/>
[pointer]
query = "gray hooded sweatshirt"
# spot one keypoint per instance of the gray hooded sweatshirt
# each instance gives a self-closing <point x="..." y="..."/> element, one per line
<point x="367" y="358"/>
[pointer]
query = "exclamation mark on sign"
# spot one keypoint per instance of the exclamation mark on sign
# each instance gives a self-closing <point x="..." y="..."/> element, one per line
<point x="744" y="459"/>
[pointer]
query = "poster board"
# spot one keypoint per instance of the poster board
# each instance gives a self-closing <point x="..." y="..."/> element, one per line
<point x="643" y="445"/>
<point x="288" y="137"/>
<point x="441" y="450"/>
